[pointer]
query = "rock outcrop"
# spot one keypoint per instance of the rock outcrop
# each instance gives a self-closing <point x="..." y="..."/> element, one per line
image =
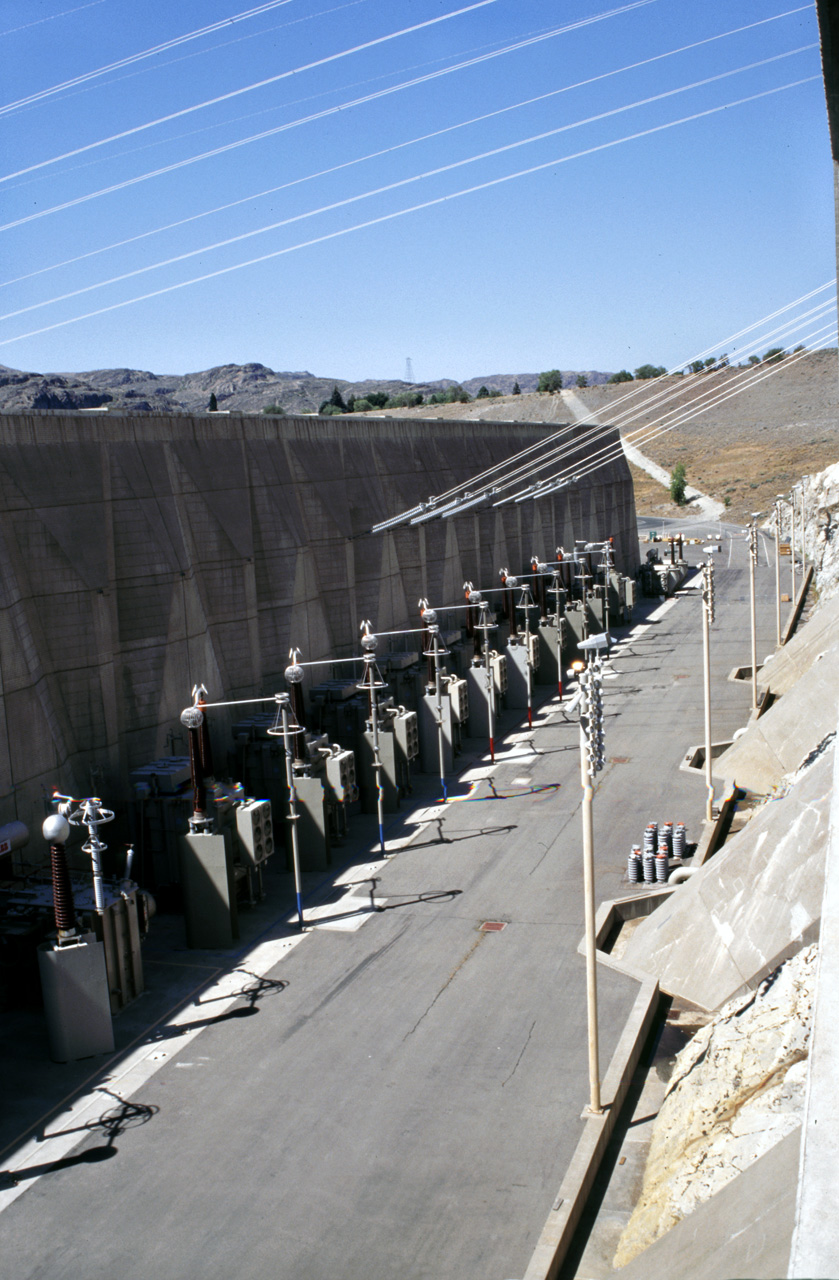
<point x="736" y="1091"/>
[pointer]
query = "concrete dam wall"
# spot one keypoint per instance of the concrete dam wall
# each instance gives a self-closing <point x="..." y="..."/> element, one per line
<point x="141" y="554"/>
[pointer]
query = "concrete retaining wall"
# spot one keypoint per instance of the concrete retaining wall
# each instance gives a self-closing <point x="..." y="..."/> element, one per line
<point x="140" y="554"/>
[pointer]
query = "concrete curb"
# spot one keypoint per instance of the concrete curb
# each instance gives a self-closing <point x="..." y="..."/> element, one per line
<point x="792" y="620"/>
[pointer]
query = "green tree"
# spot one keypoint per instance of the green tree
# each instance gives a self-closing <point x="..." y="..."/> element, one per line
<point x="516" y="389"/>
<point x="623" y="376"/>
<point x="378" y="399"/>
<point x="276" y="409"/>
<point x="483" y="393"/>
<point x="329" y="410"/>
<point x="213" y="405"/>
<point x="337" y="400"/>
<point x="362" y="406"/>
<point x="754" y="359"/>
<point x="582" y="380"/>
<point x="550" y="380"/>
<point x="678" y="480"/>
<point x="696" y="366"/>
<point x="710" y="362"/>
<point x="773" y="355"/>
<point x="650" y="371"/>
<point x="350" y="404"/>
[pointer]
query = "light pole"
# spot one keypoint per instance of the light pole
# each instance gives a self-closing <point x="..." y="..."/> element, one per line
<point x="285" y="705"/>
<point x="752" y="567"/>
<point x="778" y="500"/>
<point x="591" y="762"/>
<point x="707" y="619"/>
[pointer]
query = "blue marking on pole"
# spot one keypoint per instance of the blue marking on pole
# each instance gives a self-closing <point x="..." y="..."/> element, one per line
<point x="300" y="909"/>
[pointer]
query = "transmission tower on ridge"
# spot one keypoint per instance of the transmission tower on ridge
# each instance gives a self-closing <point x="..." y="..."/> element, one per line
<point x="409" y="370"/>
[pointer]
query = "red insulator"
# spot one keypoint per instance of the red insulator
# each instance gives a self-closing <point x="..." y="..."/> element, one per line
<point x="62" y="891"/>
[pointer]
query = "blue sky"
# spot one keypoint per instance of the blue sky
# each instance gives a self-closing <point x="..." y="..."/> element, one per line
<point x="648" y="249"/>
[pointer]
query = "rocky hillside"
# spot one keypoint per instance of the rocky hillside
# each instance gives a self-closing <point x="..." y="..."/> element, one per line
<point x="247" y="388"/>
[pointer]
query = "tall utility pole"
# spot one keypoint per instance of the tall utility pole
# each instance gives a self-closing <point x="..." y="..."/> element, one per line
<point x="752" y="567"/>
<point x="590" y="677"/>
<point x="707" y="619"/>
<point x="778" y="500"/>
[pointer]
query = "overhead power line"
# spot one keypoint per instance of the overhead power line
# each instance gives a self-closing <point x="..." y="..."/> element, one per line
<point x="426" y="204"/>
<point x="393" y="186"/>
<point x="132" y="58"/>
<point x="506" y="476"/>
<point x="259" y="84"/>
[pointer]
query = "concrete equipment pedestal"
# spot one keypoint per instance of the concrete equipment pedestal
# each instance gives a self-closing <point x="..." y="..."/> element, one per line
<point x="77" y="1002"/>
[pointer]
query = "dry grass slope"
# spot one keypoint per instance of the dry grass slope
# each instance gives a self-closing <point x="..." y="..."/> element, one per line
<point x="742" y="451"/>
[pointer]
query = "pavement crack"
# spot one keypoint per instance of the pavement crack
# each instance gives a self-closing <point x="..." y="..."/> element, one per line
<point x="521" y="1055"/>
<point x="455" y="971"/>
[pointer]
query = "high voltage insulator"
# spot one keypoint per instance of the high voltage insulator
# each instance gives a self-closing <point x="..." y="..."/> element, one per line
<point x="708" y="589"/>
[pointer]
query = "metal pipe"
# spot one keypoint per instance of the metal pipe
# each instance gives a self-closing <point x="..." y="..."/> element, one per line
<point x="372" y="682"/>
<point x="680" y="874"/>
<point x="484" y="626"/>
<point x="293" y="816"/>
<point x="435" y="652"/>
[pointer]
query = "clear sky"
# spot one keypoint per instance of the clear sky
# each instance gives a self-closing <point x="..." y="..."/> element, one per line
<point x="645" y="248"/>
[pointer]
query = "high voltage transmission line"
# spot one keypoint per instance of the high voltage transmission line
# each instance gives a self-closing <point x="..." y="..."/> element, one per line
<point x="489" y="484"/>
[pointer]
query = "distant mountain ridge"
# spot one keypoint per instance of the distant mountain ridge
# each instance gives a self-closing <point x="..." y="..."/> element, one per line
<point x="239" y="388"/>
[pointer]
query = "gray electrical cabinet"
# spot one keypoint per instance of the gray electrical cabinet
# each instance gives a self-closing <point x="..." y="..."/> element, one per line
<point x="312" y="825"/>
<point x="549" y="655"/>
<point x="208" y="879"/>
<point x="479" y="704"/>
<point x="516" y="675"/>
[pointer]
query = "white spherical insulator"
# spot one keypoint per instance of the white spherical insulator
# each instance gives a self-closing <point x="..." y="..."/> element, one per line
<point x="429" y="616"/>
<point x="56" y="829"/>
<point x="475" y="597"/>
<point x="511" y="581"/>
<point x="294" y="674"/>
<point x="369" y="642"/>
<point x="192" y="717"/>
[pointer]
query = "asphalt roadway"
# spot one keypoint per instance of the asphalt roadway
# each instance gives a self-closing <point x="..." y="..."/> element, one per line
<point x="397" y="1092"/>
